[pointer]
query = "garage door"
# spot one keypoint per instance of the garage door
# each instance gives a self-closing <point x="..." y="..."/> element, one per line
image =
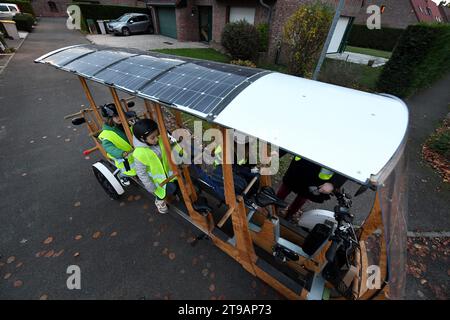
<point x="167" y="22"/>
<point x="339" y="33"/>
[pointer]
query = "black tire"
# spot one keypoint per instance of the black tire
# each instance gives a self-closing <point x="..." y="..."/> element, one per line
<point x="150" y="30"/>
<point x="109" y="189"/>
<point x="126" y="31"/>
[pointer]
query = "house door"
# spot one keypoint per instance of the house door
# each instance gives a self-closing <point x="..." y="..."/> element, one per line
<point x="167" y="22"/>
<point x="205" y="23"/>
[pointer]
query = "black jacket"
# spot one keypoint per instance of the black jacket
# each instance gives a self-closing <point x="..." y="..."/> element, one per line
<point x="303" y="174"/>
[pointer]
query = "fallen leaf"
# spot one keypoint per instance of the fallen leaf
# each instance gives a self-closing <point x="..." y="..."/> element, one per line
<point x="2" y="264"/>
<point x="78" y="237"/>
<point x="32" y="141"/>
<point x="44" y="137"/>
<point x="40" y="254"/>
<point x="165" y="251"/>
<point x="77" y="204"/>
<point x="212" y="288"/>
<point x="122" y="204"/>
<point x="49" y="253"/>
<point x="171" y="256"/>
<point x="19" y="264"/>
<point x="18" y="283"/>
<point x="7" y="276"/>
<point x="96" y="235"/>
<point x="87" y="158"/>
<point x="11" y="260"/>
<point x="60" y="252"/>
<point x="76" y="254"/>
<point x="24" y="174"/>
<point x="423" y="281"/>
<point x="130" y="198"/>
<point x="205" y="272"/>
<point x="43" y="297"/>
<point x="113" y="234"/>
<point x="136" y="198"/>
<point x="48" y="240"/>
<point x="67" y="140"/>
<point x="150" y="220"/>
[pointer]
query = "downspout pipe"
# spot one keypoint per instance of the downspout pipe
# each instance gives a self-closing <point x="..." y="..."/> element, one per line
<point x="265" y="5"/>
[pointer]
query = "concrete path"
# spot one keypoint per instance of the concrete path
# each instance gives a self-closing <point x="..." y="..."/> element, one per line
<point x="358" y="58"/>
<point x="143" y="42"/>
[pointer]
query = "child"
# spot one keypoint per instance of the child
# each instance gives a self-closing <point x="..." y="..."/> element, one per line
<point x="151" y="161"/>
<point x="116" y="144"/>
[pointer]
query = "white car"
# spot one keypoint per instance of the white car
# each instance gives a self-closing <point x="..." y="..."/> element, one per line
<point x="8" y="10"/>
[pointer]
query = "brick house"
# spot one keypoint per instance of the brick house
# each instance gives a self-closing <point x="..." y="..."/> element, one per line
<point x="204" y="20"/>
<point x="57" y="8"/>
<point x="402" y="13"/>
<point x="445" y="13"/>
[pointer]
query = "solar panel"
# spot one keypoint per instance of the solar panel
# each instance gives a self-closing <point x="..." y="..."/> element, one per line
<point x="135" y="72"/>
<point x="63" y="57"/>
<point x="193" y="86"/>
<point x="94" y="62"/>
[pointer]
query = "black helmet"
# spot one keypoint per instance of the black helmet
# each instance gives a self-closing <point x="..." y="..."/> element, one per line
<point x="143" y="128"/>
<point x="109" y="110"/>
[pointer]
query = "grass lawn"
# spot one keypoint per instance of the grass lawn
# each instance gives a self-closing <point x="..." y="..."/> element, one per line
<point x="197" y="53"/>
<point x="370" y="52"/>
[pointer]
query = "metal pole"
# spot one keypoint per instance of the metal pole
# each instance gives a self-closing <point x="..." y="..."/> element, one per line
<point x="337" y="14"/>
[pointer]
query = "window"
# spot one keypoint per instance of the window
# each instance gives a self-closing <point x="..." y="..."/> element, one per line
<point x="52" y="6"/>
<point x="4" y="8"/>
<point x="143" y="18"/>
<point x="420" y="8"/>
<point x="12" y="9"/>
<point x="429" y="11"/>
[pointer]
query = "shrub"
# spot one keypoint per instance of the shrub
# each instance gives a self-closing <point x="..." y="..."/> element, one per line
<point x="305" y="33"/>
<point x="383" y="39"/>
<point x="420" y="58"/>
<point x="245" y="63"/>
<point x="263" y="34"/>
<point x="24" y="21"/>
<point x="241" y="40"/>
<point x="24" y="6"/>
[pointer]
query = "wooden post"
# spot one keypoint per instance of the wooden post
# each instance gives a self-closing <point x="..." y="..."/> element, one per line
<point x="91" y="100"/>
<point x="178" y="119"/>
<point x="244" y="244"/>
<point x="196" y="217"/>
<point x="122" y="117"/>
<point x="149" y="107"/>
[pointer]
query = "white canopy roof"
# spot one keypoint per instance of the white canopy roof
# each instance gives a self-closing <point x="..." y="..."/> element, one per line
<point x="351" y="132"/>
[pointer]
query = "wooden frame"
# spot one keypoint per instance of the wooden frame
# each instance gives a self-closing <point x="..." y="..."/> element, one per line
<point x="245" y="239"/>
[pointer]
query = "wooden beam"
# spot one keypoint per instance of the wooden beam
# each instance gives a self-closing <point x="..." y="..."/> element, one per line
<point x="122" y="116"/>
<point x="91" y="101"/>
<point x="196" y="217"/>
<point x="372" y="222"/>
<point x="150" y="109"/>
<point x="178" y="119"/>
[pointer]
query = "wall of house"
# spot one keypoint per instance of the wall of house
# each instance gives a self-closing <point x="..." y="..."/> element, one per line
<point x="283" y="9"/>
<point x="398" y="14"/>
<point x="420" y="8"/>
<point x="42" y="8"/>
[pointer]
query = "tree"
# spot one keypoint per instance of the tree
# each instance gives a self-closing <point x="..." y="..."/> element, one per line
<point x="305" y="33"/>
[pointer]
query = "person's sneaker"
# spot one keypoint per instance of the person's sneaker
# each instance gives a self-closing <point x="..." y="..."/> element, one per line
<point x="161" y="206"/>
<point x="124" y="181"/>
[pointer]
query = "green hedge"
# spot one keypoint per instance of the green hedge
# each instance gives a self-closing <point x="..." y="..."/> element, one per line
<point x="24" y="6"/>
<point x="104" y="12"/>
<point x="384" y="39"/>
<point x="420" y="58"/>
<point x="24" y="21"/>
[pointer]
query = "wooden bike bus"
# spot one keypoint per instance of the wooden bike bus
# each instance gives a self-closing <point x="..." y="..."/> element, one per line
<point x="361" y="136"/>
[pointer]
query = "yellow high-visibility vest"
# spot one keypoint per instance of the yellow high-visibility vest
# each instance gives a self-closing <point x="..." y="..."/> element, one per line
<point x="324" y="173"/>
<point x="157" y="170"/>
<point x="121" y="144"/>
